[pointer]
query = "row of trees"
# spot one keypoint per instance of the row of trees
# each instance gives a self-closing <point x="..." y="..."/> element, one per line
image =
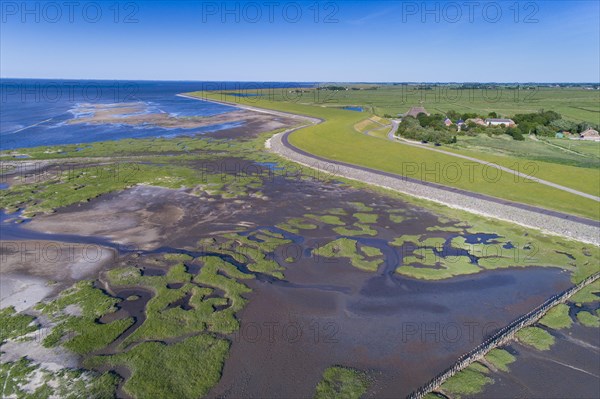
<point x="427" y="129"/>
<point x="547" y="123"/>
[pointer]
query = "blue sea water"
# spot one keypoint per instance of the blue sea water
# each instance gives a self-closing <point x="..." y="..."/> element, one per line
<point x="35" y="112"/>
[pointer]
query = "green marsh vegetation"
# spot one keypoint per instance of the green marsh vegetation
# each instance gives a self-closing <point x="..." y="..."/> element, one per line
<point x="78" y="330"/>
<point x="468" y="381"/>
<point x="536" y="337"/>
<point x="254" y="249"/>
<point x="99" y="168"/>
<point x="588" y="319"/>
<point x="170" y="332"/>
<point x="294" y="225"/>
<point x="358" y="254"/>
<point x="16" y="378"/>
<point x="507" y="246"/>
<point x="558" y="317"/>
<point x="188" y="316"/>
<point x="342" y="382"/>
<point x="216" y="286"/>
<point x="500" y="359"/>
<point x="184" y="369"/>
<point x="15" y="324"/>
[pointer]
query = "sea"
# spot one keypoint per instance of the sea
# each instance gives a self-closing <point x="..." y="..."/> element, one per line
<point x="36" y="112"/>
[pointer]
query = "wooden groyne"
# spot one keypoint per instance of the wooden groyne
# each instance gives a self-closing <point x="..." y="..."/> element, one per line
<point x="501" y="337"/>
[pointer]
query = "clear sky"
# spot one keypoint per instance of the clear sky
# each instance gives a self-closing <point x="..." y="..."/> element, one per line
<point x="275" y="40"/>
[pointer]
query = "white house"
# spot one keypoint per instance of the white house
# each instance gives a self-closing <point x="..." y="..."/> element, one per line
<point x="498" y="122"/>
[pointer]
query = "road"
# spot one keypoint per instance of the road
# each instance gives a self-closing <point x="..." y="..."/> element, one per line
<point x="548" y="221"/>
<point x="392" y="137"/>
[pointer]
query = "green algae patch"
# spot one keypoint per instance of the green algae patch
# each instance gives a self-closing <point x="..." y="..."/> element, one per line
<point x="557" y="317"/>
<point x="397" y="218"/>
<point x="370" y="251"/>
<point x="427" y="265"/>
<point x="366" y="217"/>
<point x="588" y="319"/>
<point x="500" y="359"/>
<point x="342" y="382"/>
<point x="348" y="248"/>
<point x="405" y="239"/>
<point x="294" y="225"/>
<point x="82" y="333"/>
<point x="466" y="382"/>
<point x="436" y="242"/>
<point x="158" y="370"/>
<point x="536" y="337"/>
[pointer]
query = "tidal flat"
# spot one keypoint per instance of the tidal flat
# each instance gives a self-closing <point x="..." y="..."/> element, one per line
<point x="250" y="272"/>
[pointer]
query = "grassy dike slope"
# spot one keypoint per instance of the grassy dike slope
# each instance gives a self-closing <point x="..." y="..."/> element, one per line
<point x="586" y="180"/>
<point x="337" y="139"/>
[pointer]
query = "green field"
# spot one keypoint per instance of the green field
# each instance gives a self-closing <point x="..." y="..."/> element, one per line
<point x="337" y="139"/>
<point x="584" y="154"/>
<point x="575" y="104"/>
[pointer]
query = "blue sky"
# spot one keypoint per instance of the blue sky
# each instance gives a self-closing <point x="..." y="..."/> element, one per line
<point x="376" y="41"/>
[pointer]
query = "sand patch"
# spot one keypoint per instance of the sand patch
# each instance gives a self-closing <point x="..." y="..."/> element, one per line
<point x="22" y="292"/>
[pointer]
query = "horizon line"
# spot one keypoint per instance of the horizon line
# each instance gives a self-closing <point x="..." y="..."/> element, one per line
<point x="305" y="81"/>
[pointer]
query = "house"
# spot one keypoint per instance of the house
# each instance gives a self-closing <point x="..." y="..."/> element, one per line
<point x="590" y="134"/>
<point x="477" y="121"/>
<point x="415" y="111"/>
<point x="499" y="122"/>
<point x="460" y="122"/>
<point x="447" y="122"/>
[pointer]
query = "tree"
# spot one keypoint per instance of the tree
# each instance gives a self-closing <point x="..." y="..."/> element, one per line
<point x="492" y="115"/>
<point x="541" y="130"/>
<point x="515" y="134"/>
<point x="563" y="125"/>
<point x="453" y="115"/>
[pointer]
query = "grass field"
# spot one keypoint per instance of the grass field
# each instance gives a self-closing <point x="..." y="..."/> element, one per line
<point x="585" y="154"/>
<point x="337" y="139"/>
<point x="576" y="104"/>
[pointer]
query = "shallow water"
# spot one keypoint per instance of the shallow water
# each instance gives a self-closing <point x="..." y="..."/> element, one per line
<point x="35" y="111"/>
<point x="401" y="330"/>
<point x="570" y="369"/>
<point x="357" y="109"/>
